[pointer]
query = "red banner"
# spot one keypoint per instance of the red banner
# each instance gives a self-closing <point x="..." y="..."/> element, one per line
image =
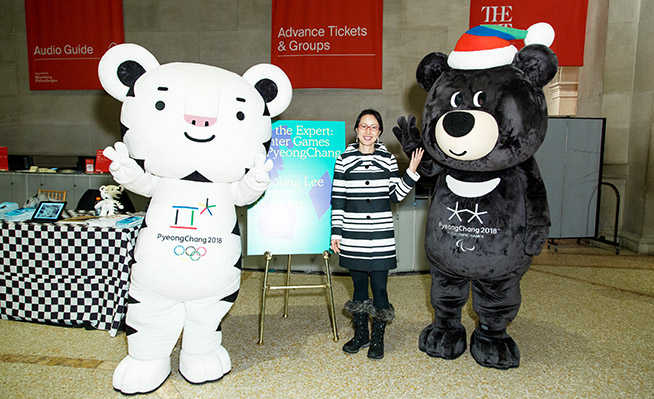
<point x="67" y="38"/>
<point x="567" y="17"/>
<point x="328" y="44"/>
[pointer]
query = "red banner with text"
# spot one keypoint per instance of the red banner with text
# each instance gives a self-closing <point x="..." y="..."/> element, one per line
<point x="567" y="17"/>
<point x="328" y="44"/>
<point x="67" y="38"/>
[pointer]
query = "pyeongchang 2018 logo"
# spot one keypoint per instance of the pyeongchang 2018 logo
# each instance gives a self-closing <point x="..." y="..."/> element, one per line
<point x="461" y="215"/>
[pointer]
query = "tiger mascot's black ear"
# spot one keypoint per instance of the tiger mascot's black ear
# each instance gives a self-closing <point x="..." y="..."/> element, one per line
<point x="121" y="66"/>
<point x="273" y="85"/>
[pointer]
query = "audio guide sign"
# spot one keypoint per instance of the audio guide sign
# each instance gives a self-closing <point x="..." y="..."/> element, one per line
<point x="294" y="215"/>
<point x="328" y="44"/>
<point x="67" y="38"/>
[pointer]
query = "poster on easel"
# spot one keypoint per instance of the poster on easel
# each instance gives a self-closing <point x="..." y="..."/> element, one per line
<point x="293" y="217"/>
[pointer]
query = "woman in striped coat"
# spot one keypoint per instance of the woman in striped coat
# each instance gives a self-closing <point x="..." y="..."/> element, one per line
<point x="366" y="181"/>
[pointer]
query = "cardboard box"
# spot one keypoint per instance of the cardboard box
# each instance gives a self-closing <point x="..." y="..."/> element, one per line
<point x="4" y="158"/>
<point x="90" y="165"/>
<point x="101" y="163"/>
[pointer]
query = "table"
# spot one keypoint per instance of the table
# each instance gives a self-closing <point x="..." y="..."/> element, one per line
<point x="63" y="274"/>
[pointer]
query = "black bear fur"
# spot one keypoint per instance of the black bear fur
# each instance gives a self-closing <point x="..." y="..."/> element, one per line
<point x="489" y="214"/>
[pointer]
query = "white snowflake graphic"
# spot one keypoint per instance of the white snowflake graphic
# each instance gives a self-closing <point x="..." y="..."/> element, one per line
<point x="475" y="214"/>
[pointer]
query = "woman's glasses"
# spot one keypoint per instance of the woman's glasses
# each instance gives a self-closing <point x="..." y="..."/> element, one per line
<point x="372" y="128"/>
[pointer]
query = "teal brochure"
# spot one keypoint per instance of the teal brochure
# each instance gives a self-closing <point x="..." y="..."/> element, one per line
<point x="294" y="215"/>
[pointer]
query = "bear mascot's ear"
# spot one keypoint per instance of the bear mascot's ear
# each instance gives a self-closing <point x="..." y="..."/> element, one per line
<point x="273" y="85"/>
<point x="430" y="68"/>
<point x="121" y="66"/>
<point x="538" y="62"/>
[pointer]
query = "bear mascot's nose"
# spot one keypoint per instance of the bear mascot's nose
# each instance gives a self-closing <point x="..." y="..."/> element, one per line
<point x="458" y="123"/>
<point x="201" y="121"/>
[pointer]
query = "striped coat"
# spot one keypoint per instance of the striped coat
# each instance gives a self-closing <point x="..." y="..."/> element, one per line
<point x="364" y="187"/>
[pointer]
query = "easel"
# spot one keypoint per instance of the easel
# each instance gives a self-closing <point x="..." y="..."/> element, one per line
<point x="265" y="287"/>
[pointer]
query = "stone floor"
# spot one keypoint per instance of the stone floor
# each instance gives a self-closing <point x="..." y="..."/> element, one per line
<point x="583" y="329"/>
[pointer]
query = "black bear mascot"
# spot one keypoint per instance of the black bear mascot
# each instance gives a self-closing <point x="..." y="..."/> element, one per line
<point x="484" y="118"/>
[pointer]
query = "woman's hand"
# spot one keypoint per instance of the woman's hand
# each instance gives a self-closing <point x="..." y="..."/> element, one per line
<point x="416" y="156"/>
<point x="336" y="246"/>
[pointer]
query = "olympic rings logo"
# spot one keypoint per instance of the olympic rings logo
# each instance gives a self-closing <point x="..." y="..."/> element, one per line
<point x="190" y="252"/>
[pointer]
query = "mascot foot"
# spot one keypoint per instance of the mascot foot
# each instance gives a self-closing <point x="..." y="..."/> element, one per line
<point x="205" y="367"/>
<point x="140" y="376"/>
<point x="444" y="342"/>
<point x="494" y="348"/>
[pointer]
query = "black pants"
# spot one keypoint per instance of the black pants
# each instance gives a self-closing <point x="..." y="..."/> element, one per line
<point x="378" y="281"/>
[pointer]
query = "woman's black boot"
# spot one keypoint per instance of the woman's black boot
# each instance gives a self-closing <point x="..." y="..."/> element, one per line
<point x="361" y="335"/>
<point x="379" y="319"/>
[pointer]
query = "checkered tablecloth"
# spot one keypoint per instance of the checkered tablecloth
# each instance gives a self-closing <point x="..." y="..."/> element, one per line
<point x="72" y="275"/>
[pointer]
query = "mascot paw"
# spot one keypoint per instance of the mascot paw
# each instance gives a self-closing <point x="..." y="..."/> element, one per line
<point x="122" y="167"/>
<point x="262" y="168"/>
<point x="494" y="349"/>
<point x="407" y="133"/>
<point x="535" y="239"/>
<point x="446" y="343"/>
<point x="205" y="367"/>
<point x="140" y="376"/>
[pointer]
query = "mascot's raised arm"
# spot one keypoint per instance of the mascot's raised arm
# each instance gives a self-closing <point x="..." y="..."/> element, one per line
<point x="195" y="139"/>
<point x="484" y="118"/>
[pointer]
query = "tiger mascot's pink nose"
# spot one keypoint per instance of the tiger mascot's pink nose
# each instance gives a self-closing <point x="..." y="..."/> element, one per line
<point x="201" y="121"/>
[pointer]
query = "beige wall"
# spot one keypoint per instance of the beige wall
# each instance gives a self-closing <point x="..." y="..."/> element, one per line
<point x="639" y="220"/>
<point x="615" y="83"/>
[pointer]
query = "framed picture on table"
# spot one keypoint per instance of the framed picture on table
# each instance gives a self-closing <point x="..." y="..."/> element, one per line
<point x="48" y="211"/>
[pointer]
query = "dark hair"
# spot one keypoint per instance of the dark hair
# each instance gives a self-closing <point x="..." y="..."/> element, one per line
<point x="373" y="113"/>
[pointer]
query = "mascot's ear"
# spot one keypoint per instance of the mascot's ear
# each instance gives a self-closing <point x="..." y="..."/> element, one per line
<point x="430" y="68"/>
<point x="273" y="85"/>
<point x="121" y="66"/>
<point x="538" y="62"/>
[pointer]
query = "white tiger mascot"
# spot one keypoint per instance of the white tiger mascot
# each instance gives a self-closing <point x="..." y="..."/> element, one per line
<point x="195" y="139"/>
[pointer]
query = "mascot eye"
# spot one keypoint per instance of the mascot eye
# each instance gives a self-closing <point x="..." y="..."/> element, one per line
<point x="160" y="105"/>
<point x="240" y="115"/>
<point x="456" y="99"/>
<point x="479" y="99"/>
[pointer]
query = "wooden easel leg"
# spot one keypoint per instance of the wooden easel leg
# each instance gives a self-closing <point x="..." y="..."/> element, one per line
<point x="264" y="288"/>
<point x="288" y="282"/>
<point x="330" y="294"/>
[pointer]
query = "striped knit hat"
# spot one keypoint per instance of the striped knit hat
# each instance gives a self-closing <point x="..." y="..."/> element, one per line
<point x="488" y="46"/>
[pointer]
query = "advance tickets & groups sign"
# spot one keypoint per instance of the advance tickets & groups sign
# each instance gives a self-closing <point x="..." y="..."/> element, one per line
<point x="294" y="215"/>
<point x="334" y="44"/>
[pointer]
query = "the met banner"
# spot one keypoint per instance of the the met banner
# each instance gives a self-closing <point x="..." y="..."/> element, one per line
<point x="66" y="38"/>
<point x="294" y="215"/>
<point x="567" y="17"/>
<point x="328" y="44"/>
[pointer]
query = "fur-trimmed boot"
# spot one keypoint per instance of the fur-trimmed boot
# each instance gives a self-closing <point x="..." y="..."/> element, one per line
<point x="379" y="319"/>
<point x="361" y="338"/>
